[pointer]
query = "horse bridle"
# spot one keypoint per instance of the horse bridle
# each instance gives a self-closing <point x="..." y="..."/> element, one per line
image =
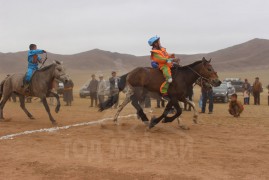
<point x="200" y="76"/>
<point x="200" y="79"/>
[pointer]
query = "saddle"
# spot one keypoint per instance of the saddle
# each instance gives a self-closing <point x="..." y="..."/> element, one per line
<point x="27" y="86"/>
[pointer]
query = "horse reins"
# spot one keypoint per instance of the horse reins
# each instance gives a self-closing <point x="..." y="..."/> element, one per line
<point x="201" y="78"/>
<point x="46" y="57"/>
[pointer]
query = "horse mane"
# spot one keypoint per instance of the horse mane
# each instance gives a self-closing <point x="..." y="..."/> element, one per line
<point x="190" y="65"/>
<point x="45" y="68"/>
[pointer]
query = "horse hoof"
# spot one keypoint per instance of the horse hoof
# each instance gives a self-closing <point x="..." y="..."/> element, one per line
<point x="57" y="109"/>
<point x="184" y="127"/>
<point x="54" y="123"/>
<point x="146" y="123"/>
<point x="32" y="118"/>
<point x="151" y="125"/>
<point x="164" y="121"/>
<point x="195" y="121"/>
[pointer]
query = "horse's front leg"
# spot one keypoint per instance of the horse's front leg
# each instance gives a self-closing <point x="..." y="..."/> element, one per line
<point x="178" y="113"/>
<point x="45" y="103"/>
<point x="195" y="114"/>
<point x="52" y="94"/>
<point x="154" y="121"/>
<point x="176" y="116"/>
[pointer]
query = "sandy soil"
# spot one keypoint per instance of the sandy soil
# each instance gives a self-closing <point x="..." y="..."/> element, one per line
<point x="219" y="147"/>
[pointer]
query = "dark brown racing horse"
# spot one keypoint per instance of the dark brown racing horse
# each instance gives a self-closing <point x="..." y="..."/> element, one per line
<point x="141" y="81"/>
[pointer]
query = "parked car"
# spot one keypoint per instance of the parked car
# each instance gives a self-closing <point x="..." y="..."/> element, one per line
<point x="237" y="83"/>
<point x="223" y="92"/>
<point x="84" y="92"/>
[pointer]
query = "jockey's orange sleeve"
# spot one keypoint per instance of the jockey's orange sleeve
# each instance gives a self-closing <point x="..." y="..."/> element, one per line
<point x="161" y="57"/>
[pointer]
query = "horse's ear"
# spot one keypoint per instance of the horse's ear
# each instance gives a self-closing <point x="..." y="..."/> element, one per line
<point x="210" y="60"/>
<point x="203" y="59"/>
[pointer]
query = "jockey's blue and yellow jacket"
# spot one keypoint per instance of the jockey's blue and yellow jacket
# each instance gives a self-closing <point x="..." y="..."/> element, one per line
<point x="33" y="60"/>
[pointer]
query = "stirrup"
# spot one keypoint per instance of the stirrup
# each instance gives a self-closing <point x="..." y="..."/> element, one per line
<point x="165" y="97"/>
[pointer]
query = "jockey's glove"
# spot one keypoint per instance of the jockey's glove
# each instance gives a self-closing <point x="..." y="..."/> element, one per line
<point x="170" y="60"/>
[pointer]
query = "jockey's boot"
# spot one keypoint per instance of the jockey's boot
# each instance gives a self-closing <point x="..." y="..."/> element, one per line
<point x="23" y="83"/>
<point x="26" y="86"/>
<point x="166" y="97"/>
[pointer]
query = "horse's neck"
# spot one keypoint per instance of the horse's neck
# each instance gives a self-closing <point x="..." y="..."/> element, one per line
<point x="46" y="75"/>
<point x="189" y="77"/>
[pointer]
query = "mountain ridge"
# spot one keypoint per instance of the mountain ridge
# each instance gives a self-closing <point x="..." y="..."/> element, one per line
<point x="253" y="54"/>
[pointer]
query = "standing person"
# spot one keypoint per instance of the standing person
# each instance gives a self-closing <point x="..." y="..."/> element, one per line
<point x="160" y="103"/>
<point x="257" y="89"/>
<point x="247" y="89"/>
<point x="207" y="94"/>
<point x="33" y="60"/>
<point x="114" y="89"/>
<point x="200" y="103"/>
<point x="68" y="92"/>
<point x="246" y="97"/>
<point x="101" y="89"/>
<point x="235" y="106"/>
<point x="268" y="94"/>
<point x="93" y="87"/>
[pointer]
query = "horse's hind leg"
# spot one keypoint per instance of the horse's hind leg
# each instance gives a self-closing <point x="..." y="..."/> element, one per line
<point x="3" y="103"/>
<point x="120" y="108"/>
<point x="45" y="103"/>
<point x="139" y="109"/>
<point x="22" y="104"/>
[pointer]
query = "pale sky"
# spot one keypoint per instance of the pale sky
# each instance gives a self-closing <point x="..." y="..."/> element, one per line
<point x="185" y="26"/>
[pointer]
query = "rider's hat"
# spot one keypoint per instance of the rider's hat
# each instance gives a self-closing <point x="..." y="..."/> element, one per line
<point x="152" y="40"/>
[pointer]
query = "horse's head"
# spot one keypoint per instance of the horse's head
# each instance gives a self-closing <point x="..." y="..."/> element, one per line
<point x="207" y="71"/>
<point x="59" y="72"/>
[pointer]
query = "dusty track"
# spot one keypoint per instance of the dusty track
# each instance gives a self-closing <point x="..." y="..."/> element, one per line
<point x="219" y="147"/>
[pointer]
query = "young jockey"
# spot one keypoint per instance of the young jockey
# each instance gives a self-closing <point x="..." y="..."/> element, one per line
<point x="33" y="60"/>
<point x="162" y="60"/>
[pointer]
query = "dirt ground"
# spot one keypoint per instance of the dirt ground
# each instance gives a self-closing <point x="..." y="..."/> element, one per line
<point x="219" y="147"/>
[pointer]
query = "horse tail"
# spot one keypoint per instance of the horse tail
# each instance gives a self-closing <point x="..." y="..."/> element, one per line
<point x="122" y="82"/>
<point x="113" y="99"/>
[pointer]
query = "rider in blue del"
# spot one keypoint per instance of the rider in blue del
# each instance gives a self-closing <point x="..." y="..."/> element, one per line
<point x="33" y="60"/>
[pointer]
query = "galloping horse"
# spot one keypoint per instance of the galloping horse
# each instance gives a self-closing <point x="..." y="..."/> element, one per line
<point x="141" y="80"/>
<point x="41" y="85"/>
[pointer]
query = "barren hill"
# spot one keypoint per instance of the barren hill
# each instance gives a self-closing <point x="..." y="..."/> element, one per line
<point x="250" y="55"/>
